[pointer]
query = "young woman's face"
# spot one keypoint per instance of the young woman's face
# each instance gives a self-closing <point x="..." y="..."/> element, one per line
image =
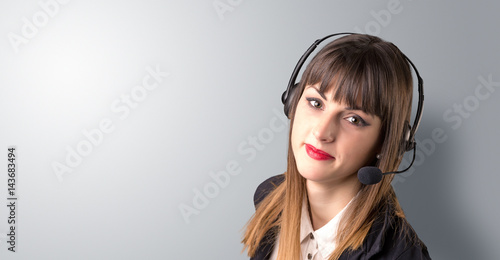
<point x="331" y="141"/>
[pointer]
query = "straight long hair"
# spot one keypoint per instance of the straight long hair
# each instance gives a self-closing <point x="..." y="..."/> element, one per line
<point x="359" y="68"/>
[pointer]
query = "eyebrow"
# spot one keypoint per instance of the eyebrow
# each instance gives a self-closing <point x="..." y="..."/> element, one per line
<point x="319" y="92"/>
<point x="346" y="108"/>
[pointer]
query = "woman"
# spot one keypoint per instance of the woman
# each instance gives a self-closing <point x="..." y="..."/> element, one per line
<point x="351" y="109"/>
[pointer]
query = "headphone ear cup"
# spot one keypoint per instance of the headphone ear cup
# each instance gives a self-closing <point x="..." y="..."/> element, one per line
<point x="406" y="144"/>
<point x="287" y="101"/>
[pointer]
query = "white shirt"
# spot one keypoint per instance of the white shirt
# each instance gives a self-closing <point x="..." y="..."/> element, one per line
<point x="315" y="245"/>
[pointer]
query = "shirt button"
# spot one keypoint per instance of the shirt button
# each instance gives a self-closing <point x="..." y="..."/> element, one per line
<point x="311" y="236"/>
<point x="309" y="256"/>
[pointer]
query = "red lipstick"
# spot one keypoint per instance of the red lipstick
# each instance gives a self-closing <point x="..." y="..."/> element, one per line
<point x="317" y="154"/>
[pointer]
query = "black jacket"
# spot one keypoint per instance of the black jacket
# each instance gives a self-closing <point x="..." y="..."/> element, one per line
<point x="385" y="239"/>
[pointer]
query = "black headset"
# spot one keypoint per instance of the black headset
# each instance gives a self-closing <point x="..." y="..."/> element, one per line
<point x="408" y="143"/>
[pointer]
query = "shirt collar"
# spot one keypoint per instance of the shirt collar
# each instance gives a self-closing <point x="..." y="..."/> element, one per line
<point x="325" y="236"/>
<point x="305" y="222"/>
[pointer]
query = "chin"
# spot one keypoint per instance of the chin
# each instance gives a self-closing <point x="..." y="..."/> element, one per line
<point x="318" y="174"/>
<point x="312" y="174"/>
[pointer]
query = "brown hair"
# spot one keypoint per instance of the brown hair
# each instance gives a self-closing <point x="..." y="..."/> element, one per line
<point x="359" y="68"/>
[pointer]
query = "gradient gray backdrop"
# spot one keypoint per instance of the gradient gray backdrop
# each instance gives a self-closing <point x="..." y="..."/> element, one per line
<point x="228" y="63"/>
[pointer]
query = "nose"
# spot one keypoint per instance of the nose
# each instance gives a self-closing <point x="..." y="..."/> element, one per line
<point x="325" y="129"/>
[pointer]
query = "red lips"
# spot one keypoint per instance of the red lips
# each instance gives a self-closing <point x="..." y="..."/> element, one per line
<point x="317" y="154"/>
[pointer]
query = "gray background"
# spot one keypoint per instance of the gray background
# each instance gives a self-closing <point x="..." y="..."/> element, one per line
<point x="227" y="73"/>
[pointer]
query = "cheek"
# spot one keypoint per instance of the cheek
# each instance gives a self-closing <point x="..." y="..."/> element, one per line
<point x="366" y="148"/>
<point x="296" y="134"/>
<point x="299" y="130"/>
<point x="297" y="119"/>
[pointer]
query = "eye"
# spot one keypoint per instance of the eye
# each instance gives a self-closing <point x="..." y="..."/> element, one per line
<point x="356" y="120"/>
<point x="315" y="103"/>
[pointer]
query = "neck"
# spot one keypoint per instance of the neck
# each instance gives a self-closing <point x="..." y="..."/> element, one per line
<point x="326" y="200"/>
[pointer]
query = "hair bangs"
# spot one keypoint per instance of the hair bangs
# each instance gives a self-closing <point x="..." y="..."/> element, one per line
<point x="356" y="81"/>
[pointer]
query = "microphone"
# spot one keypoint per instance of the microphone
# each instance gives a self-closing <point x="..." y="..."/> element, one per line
<point x="370" y="175"/>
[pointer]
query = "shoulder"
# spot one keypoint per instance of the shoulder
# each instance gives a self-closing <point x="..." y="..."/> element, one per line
<point x="404" y="242"/>
<point x="266" y="245"/>
<point x="390" y="237"/>
<point x="266" y="187"/>
<point x="394" y="238"/>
